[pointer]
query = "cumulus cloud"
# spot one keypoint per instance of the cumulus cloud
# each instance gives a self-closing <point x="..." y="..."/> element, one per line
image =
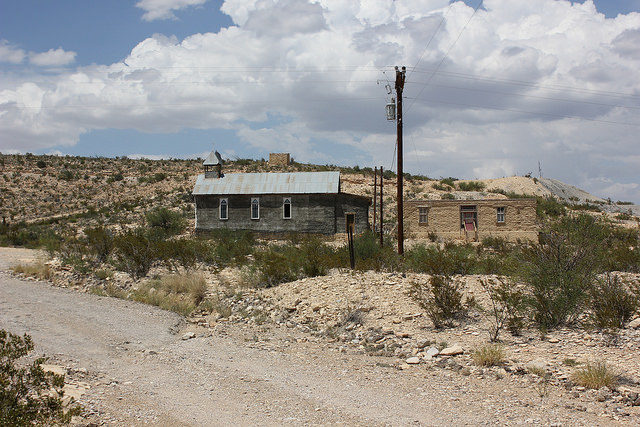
<point x="10" y="53"/>
<point x="163" y="9"/>
<point x="52" y="58"/>
<point x="491" y="95"/>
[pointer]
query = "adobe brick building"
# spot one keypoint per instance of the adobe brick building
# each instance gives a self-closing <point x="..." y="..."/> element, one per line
<point x="472" y="220"/>
<point x="279" y="159"/>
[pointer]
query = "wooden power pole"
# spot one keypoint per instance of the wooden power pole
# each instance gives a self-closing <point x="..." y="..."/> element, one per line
<point x="400" y="77"/>
<point x="381" y="217"/>
<point x="375" y="196"/>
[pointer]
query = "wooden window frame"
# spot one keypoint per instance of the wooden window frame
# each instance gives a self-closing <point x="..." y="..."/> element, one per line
<point x="224" y="201"/>
<point x="423" y="211"/>
<point x="257" y="202"/>
<point x="285" y="201"/>
<point x="499" y="214"/>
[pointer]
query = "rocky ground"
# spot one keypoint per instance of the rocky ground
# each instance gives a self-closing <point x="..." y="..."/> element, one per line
<point x="348" y="347"/>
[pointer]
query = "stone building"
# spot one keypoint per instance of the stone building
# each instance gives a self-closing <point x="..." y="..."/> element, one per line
<point x="472" y="220"/>
<point x="279" y="159"/>
<point x="307" y="202"/>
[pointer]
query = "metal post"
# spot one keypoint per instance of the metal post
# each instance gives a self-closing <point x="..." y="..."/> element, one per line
<point x="400" y="76"/>
<point x="381" y="217"/>
<point x="375" y="195"/>
<point x="352" y="256"/>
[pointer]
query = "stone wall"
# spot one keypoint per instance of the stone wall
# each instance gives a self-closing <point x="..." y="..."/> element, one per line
<point x="279" y="159"/>
<point x="310" y="213"/>
<point x="443" y="219"/>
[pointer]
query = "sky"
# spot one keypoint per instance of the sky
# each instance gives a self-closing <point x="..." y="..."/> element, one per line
<point x="493" y="89"/>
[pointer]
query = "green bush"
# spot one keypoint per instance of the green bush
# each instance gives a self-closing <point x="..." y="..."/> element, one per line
<point x="369" y="255"/>
<point x="25" y="392"/>
<point x="99" y="242"/>
<point x="507" y="307"/>
<point x="232" y="246"/>
<point x="166" y="220"/>
<point x="277" y="264"/>
<point x="560" y="270"/>
<point x="612" y="303"/>
<point x="317" y="257"/>
<point x="453" y="259"/>
<point x="441" y="300"/>
<point x="549" y="206"/>
<point x="135" y="252"/>
<point x="471" y="186"/>
<point x="66" y="175"/>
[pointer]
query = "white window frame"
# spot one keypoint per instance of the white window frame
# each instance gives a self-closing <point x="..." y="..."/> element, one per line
<point x="224" y="201"/>
<point x="257" y="202"/>
<point x="286" y="200"/>
<point x="424" y="209"/>
<point x="501" y="214"/>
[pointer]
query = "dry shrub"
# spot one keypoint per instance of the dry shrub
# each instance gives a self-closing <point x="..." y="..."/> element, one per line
<point x="489" y="355"/>
<point x="181" y="293"/>
<point x="441" y="300"/>
<point x="37" y="269"/>
<point x="595" y="375"/>
<point x="612" y="303"/>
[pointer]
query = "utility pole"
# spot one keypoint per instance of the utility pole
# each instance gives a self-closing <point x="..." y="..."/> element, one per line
<point x="381" y="218"/>
<point x="375" y="196"/>
<point x="400" y="77"/>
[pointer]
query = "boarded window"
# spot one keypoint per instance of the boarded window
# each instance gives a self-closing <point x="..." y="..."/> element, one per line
<point x="255" y="208"/>
<point x="224" y="209"/>
<point x="423" y="217"/>
<point x="500" y="214"/>
<point x="286" y="208"/>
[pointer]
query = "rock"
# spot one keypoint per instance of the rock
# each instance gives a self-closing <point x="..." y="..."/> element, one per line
<point x="189" y="335"/>
<point x="422" y="343"/>
<point x="454" y="350"/>
<point x="413" y="360"/>
<point x="56" y="369"/>
<point x="501" y="373"/>
<point x="433" y="352"/>
<point x="553" y="340"/>
<point x="636" y="402"/>
<point x="635" y="324"/>
<point x="603" y="394"/>
<point x="465" y="371"/>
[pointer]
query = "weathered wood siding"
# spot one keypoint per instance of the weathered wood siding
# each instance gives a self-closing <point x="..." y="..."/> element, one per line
<point x="444" y="219"/>
<point x="310" y="213"/>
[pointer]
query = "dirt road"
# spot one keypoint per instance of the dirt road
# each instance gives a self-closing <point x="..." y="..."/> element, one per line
<point x="144" y="372"/>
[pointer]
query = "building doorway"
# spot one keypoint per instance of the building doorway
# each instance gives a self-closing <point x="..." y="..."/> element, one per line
<point x="469" y="218"/>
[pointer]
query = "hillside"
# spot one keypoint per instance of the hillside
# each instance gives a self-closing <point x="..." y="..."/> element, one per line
<point x="121" y="190"/>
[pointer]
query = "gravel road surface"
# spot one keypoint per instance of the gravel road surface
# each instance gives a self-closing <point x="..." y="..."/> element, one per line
<point x="142" y="371"/>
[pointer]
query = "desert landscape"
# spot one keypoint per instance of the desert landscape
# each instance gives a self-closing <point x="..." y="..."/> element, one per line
<point x="152" y="323"/>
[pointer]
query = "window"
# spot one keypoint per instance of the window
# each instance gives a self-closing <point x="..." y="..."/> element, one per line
<point x="500" y="214"/>
<point x="423" y="215"/>
<point x="224" y="209"/>
<point x="286" y="208"/>
<point x="255" y="208"/>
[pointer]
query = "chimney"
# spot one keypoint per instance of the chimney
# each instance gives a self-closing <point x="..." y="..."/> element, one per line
<point x="213" y="165"/>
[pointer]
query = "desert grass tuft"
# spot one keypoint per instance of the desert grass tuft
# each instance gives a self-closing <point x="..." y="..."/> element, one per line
<point x="595" y="375"/>
<point x="489" y="355"/>
<point x="181" y="293"/>
<point x="37" y="269"/>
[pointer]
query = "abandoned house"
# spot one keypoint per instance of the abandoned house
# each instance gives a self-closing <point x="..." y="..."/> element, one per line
<point x="307" y="202"/>
<point x="472" y="220"/>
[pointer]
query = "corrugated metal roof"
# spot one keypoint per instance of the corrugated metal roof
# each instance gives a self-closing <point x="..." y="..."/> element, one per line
<point x="270" y="183"/>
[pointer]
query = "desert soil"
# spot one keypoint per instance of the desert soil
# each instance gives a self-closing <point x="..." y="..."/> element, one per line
<point x="135" y="367"/>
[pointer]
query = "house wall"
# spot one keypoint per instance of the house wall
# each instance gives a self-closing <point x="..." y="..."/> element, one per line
<point x="279" y="159"/>
<point x="310" y="213"/>
<point x="444" y="219"/>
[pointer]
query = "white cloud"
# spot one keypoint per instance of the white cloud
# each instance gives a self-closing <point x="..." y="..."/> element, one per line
<point x="10" y="53"/>
<point x="301" y="76"/>
<point x="163" y="9"/>
<point x="52" y="58"/>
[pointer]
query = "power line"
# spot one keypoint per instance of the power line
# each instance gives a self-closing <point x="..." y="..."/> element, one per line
<point x="447" y="53"/>
<point x="535" y="96"/>
<point x="562" y="116"/>
<point x="529" y="84"/>
<point x="444" y="15"/>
